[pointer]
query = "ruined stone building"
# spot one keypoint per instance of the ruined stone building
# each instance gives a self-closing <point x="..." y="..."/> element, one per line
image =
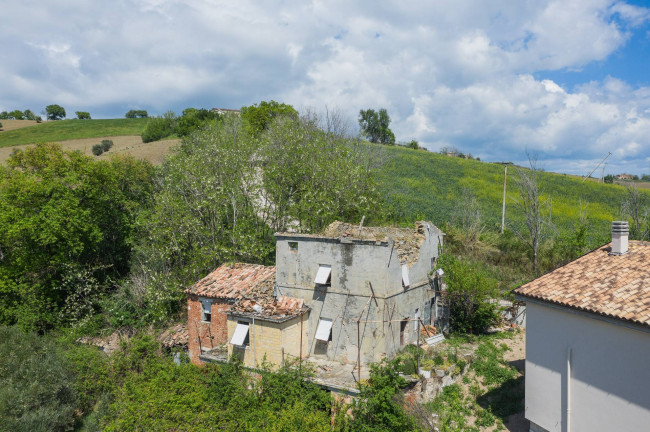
<point x="345" y="294"/>
<point x="378" y="276"/>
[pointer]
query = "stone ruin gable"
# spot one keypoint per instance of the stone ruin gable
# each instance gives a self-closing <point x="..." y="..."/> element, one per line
<point x="375" y="256"/>
<point x="361" y="266"/>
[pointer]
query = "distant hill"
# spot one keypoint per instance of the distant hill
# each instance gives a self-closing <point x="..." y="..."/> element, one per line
<point x="424" y="185"/>
<point x="63" y="130"/>
<point x="419" y="184"/>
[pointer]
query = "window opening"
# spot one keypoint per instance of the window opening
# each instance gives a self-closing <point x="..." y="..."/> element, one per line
<point x="293" y="246"/>
<point x="324" y="330"/>
<point x="405" y="276"/>
<point x="241" y="337"/>
<point x="206" y="313"/>
<point x="324" y="275"/>
<point x="402" y="331"/>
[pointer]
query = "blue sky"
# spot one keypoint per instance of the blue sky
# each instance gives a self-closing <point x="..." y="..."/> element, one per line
<point x="567" y="81"/>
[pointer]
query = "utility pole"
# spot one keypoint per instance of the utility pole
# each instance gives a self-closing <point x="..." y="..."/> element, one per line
<point x="592" y="171"/>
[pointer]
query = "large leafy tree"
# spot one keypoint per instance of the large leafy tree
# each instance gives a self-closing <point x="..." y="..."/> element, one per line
<point x="194" y="118"/>
<point x="259" y="117"/>
<point x="313" y="177"/>
<point x="68" y="223"/>
<point x="374" y="126"/>
<point x="55" y="112"/>
<point x="224" y="193"/>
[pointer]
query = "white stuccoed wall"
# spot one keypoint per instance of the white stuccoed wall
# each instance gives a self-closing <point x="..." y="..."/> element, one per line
<point x="610" y="384"/>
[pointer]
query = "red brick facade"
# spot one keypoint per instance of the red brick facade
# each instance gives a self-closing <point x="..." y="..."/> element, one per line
<point x="203" y="334"/>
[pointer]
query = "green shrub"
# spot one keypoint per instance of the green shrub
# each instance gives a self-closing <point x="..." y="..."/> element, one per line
<point x="159" y="127"/>
<point x="98" y="149"/>
<point x="470" y="291"/>
<point x="106" y="145"/>
<point x="36" y="384"/>
<point x="82" y="115"/>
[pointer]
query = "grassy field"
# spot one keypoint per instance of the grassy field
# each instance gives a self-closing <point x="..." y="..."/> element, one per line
<point x="8" y="125"/>
<point x="423" y="185"/>
<point x="154" y="152"/>
<point x="63" y="130"/>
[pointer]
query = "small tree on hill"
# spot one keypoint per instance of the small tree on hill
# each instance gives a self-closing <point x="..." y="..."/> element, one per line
<point x="55" y="112"/>
<point x="374" y="126"/>
<point x="83" y="115"/>
<point x="136" y="114"/>
<point x="29" y="115"/>
<point x="16" y="115"/>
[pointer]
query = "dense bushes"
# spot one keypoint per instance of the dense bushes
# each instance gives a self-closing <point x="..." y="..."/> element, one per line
<point x="160" y="127"/>
<point x="36" y="384"/>
<point x="471" y="290"/>
<point x="68" y="225"/>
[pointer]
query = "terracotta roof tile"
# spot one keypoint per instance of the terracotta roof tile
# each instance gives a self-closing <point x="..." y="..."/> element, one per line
<point x="233" y="281"/>
<point x="610" y="285"/>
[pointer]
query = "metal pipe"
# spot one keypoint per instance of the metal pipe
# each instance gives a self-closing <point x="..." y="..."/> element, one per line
<point x="568" y="390"/>
<point x="359" y="349"/>
<point x="300" y="361"/>
<point x="418" y="345"/>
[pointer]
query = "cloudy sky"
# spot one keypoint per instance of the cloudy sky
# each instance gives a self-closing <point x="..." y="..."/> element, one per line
<point x="566" y="80"/>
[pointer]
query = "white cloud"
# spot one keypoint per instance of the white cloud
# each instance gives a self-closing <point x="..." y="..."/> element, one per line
<point x="449" y="73"/>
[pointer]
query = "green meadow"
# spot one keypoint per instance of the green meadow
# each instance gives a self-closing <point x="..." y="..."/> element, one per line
<point x="62" y="130"/>
<point x="427" y="185"/>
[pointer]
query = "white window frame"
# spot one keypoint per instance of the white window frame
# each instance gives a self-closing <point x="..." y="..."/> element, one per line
<point x="240" y="334"/>
<point x="405" y="276"/>
<point x="324" y="275"/>
<point x="324" y="330"/>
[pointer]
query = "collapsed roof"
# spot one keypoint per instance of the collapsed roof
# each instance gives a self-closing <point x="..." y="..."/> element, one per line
<point x="233" y="281"/>
<point x="407" y="241"/>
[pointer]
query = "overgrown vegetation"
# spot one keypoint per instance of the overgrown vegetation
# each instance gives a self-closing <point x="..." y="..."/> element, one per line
<point x="68" y="225"/>
<point x="490" y="393"/>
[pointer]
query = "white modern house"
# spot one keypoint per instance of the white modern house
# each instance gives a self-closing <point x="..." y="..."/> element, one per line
<point x="588" y="341"/>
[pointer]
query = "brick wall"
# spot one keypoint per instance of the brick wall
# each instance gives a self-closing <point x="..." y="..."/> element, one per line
<point x="204" y="334"/>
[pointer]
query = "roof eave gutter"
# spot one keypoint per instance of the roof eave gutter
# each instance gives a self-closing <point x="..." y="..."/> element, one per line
<point x="588" y="314"/>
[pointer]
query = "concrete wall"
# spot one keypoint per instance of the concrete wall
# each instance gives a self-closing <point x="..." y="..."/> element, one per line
<point x="610" y="379"/>
<point x="203" y="334"/>
<point x="277" y="341"/>
<point x="359" y="269"/>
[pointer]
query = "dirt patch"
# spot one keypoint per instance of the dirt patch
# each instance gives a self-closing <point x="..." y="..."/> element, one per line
<point x="8" y="125"/>
<point x="154" y="152"/>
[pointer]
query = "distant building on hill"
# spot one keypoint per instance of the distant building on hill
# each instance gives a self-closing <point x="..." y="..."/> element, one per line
<point x="225" y="110"/>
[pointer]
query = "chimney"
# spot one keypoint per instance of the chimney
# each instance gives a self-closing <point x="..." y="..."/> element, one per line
<point x="620" y="232"/>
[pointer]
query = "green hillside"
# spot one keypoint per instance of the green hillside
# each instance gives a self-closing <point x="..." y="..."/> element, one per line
<point x="72" y="129"/>
<point x="429" y="185"/>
